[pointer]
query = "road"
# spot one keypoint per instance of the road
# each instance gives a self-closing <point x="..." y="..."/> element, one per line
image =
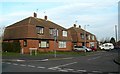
<point x="99" y="62"/>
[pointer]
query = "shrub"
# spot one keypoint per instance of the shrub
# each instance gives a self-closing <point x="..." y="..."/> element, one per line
<point x="11" y="46"/>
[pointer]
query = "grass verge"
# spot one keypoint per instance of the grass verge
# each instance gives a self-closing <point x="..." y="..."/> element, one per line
<point x="47" y="53"/>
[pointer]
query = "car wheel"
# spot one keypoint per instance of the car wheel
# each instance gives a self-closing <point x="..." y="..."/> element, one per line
<point x="86" y="50"/>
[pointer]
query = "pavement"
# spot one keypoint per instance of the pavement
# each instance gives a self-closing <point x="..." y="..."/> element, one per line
<point x="117" y="60"/>
<point x="23" y="57"/>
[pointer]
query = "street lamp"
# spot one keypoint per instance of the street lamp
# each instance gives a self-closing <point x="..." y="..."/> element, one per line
<point x="85" y="34"/>
<point x="116" y="32"/>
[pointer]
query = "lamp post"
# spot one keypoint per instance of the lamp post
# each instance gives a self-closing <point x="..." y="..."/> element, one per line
<point x="85" y="34"/>
<point x="116" y="32"/>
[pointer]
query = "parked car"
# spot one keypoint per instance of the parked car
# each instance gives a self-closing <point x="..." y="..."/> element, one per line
<point x="107" y="46"/>
<point x="93" y="48"/>
<point x="81" y="48"/>
<point x="87" y="49"/>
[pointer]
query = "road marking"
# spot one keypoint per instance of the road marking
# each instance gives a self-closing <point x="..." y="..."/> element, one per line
<point x="63" y="70"/>
<point x="41" y="67"/>
<point x="59" y="69"/>
<point x="22" y="65"/>
<point x="70" y="69"/>
<point x="31" y="66"/>
<point x="66" y="64"/>
<point x="97" y="71"/>
<point x="20" y="60"/>
<point x="81" y="71"/>
<point x="94" y="58"/>
<point x="54" y="68"/>
<point x="15" y="64"/>
<point x="44" y="60"/>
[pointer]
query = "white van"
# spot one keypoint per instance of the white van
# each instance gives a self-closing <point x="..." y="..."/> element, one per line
<point x="107" y="46"/>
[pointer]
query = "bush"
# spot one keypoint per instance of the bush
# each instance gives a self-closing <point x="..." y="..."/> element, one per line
<point x="11" y="46"/>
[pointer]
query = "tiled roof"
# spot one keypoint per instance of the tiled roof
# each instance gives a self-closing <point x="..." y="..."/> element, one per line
<point x="75" y="31"/>
<point x="26" y="28"/>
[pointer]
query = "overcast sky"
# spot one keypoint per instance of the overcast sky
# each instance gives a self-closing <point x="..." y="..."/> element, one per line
<point x="100" y="15"/>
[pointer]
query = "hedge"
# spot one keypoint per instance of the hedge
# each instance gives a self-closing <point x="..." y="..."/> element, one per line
<point x="11" y="46"/>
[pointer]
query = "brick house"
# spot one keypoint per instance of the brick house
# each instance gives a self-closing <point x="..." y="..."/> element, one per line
<point x="33" y="32"/>
<point x="80" y="37"/>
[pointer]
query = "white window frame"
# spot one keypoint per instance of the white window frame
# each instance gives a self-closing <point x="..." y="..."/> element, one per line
<point x="64" y="33"/>
<point x="62" y="44"/>
<point x="88" y="37"/>
<point x="51" y="31"/>
<point x="82" y="36"/>
<point x="92" y="44"/>
<point x="40" y="30"/>
<point x="93" y="37"/>
<point x="43" y="44"/>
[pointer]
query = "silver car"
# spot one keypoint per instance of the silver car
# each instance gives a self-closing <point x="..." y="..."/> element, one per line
<point x="81" y="48"/>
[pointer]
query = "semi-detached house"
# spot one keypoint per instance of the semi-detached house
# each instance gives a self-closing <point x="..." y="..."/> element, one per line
<point x="33" y="32"/>
<point x="80" y="37"/>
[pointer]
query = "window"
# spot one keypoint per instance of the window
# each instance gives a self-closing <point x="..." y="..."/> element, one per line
<point x="53" y="32"/>
<point x="62" y="44"/>
<point x="93" y="38"/>
<point x="40" y="30"/>
<point x="64" y="33"/>
<point x="82" y="36"/>
<point x="25" y="43"/>
<point x="43" y="44"/>
<point x="88" y="37"/>
<point x="92" y="44"/>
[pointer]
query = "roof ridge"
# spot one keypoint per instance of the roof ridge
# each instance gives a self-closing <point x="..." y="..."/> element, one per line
<point x="39" y="19"/>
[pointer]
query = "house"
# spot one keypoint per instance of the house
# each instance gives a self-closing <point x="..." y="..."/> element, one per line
<point x="80" y="37"/>
<point x="33" y="32"/>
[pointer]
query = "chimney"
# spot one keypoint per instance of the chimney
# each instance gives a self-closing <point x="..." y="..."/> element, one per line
<point x="79" y="26"/>
<point x="35" y="14"/>
<point x="74" y="25"/>
<point x="45" y="17"/>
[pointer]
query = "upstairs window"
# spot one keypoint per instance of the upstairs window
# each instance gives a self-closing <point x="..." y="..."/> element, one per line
<point x="64" y="33"/>
<point x="53" y="31"/>
<point x="40" y="30"/>
<point x="88" y="37"/>
<point x="82" y="36"/>
<point x="93" y="38"/>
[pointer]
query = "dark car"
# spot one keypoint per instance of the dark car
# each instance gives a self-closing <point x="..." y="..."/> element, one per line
<point x="93" y="49"/>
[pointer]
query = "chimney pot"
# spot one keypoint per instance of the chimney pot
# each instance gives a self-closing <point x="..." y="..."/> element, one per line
<point x="79" y="26"/>
<point x="45" y="17"/>
<point x="35" y="14"/>
<point x="75" y="25"/>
